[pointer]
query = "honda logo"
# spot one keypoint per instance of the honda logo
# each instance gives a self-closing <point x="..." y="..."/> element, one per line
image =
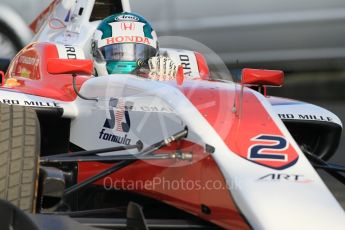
<point x="127" y="26"/>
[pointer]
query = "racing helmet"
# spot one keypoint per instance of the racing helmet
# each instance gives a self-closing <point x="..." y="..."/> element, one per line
<point x="122" y="42"/>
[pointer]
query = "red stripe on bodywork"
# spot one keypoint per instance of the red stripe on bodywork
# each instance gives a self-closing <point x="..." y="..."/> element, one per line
<point x="239" y="128"/>
<point x="185" y="185"/>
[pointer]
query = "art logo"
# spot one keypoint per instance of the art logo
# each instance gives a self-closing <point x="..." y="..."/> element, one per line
<point x="117" y="123"/>
<point x="271" y="177"/>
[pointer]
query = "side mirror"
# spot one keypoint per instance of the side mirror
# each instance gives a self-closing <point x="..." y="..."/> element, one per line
<point x="69" y="66"/>
<point x="262" y="77"/>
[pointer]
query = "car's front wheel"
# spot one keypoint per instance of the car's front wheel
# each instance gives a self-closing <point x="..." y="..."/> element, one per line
<point x="19" y="155"/>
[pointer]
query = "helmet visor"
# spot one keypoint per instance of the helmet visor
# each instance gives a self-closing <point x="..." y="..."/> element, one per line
<point x="127" y="52"/>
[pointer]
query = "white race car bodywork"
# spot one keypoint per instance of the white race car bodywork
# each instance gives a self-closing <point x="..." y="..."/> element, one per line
<point x="269" y="199"/>
<point x="267" y="203"/>
<point x="293" y="197"/>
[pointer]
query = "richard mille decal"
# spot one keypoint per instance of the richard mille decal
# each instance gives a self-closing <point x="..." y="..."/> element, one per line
<point x="29" y="103"/>
<point x="118" y="124"/>
<point x="305" y="117"/>
<point x="185" y="62"/>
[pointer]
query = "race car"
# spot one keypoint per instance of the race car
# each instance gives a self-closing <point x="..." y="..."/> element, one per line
<point x="125" y="151"/>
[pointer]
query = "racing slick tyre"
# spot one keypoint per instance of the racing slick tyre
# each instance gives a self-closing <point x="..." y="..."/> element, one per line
<point x="19" y="155"/>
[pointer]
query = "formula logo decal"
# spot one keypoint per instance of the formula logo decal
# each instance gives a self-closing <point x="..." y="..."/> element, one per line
<point x="118" y="122"/>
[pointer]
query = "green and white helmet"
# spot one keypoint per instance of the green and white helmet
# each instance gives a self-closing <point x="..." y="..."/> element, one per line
<point x="121" y="41"/>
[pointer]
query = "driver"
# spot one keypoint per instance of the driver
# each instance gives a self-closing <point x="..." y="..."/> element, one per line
<point x="126" y="43"/>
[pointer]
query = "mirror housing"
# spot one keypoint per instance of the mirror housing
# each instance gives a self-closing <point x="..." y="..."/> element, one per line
<point x="262" y="77"/>
<point x="70" y="66"/>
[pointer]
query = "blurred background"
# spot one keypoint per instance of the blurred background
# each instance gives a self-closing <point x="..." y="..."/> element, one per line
<point x="305" y="38"/>
<point x="15" y="18"/>
<point x="294" y="34"/>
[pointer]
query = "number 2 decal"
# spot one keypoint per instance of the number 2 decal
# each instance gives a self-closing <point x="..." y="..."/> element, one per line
<point x="272" y="150"/>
